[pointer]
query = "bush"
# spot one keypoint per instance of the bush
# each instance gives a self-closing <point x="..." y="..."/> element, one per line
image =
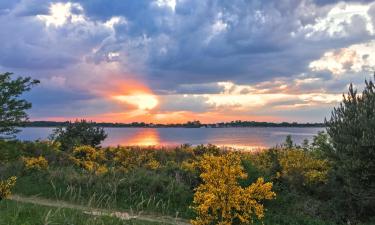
<point x="6" y="186"/>
<point x="77" y="134"/>
<point x="221" y="200"/>
<point x="35" y="163"/>
<point x="90" y="159"/>
<point x="299" y="167"/>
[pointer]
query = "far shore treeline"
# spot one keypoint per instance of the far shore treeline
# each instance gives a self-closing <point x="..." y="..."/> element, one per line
<point x="189" y="124"/>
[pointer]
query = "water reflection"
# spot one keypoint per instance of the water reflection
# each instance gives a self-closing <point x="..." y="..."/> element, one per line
<point x="240" y="138"/>
<point x="250" y="147"/>
<point x="146" y="137"/>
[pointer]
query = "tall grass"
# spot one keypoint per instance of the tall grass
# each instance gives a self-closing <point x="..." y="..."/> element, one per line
<point x="139" y="191"/>
<point x="12" y="213"/>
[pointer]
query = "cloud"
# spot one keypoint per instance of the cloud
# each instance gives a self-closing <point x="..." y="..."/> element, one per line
<point x="353" y="59"/>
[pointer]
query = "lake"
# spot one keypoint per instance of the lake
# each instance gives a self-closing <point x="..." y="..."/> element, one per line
<point x="243" y="138"/>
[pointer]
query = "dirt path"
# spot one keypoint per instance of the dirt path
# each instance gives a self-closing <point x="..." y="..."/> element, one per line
<point x="98" y="212"/>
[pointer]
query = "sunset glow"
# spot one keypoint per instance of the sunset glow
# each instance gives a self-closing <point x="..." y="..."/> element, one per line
<point x="142" y="101"/>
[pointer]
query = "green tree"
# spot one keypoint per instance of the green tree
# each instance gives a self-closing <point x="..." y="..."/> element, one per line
<point x="352" y="133"/>
<point x="12" y="108"/>
<point x="78" y="133"/>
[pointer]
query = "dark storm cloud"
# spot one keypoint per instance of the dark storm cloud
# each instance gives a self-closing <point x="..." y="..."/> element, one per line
<point x="197" y="42"/>
<point x="210" y="41"/>
<point x="27" y="43"/>
<point x="62" y="102"/>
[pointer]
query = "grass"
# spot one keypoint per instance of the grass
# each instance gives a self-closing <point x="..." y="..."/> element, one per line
<point x="12" y="213"/>
<point x="139" y="191"/>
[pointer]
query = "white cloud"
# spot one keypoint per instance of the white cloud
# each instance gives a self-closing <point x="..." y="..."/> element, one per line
<point x="355" y="58"/>
<point x="61" y="13"/>
<point x="167" y="3"/>
<point x="336" y="22"/>
<point x="115" y="20"/>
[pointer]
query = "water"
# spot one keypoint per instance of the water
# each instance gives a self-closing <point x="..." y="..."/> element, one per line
<point x="243" y="138"/>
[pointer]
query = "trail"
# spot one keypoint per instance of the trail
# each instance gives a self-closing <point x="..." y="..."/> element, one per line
<point x="98" y="212"/>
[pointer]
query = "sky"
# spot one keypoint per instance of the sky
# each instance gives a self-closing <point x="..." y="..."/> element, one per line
<point x="169" y="61"/>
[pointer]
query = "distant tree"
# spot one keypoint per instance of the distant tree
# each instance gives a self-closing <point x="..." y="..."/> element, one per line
<point x="77" y="134"/>
<point x="193" y="124"/>
<point x="12" y="108"/>
<point x="351" y="129"/>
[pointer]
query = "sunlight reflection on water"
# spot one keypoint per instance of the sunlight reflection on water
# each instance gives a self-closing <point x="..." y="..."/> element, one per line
<point x="250" y="138"/>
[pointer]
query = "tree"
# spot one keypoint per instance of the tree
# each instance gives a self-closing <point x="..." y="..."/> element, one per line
<point x="221" y="200"/>
<point x="77" y="134"/>
<point x="12" y="108"/>
<point x="352" y="134"/>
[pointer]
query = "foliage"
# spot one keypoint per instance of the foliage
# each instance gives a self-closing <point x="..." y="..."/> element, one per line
<point x="127" y="159"/>
<point x="163" y="180"/>
<point x="12" y="108"/>
<point x="6" y="186"/>
<point x="220" y="199"/>
<point x="321" y="145"/>
<point x="288" y="142"/>
<point x="11" y="150"/>
<point x="351" y="129"/>
<point x="300" y="167"/>
<point x="77" y="134"/>
<point x="89" y="159"/>
<point x="35" y="163"/>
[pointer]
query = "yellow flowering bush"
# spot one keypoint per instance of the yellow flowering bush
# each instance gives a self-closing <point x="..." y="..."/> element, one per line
<point x="189" y="166"/>
<point x="89" y="159"/>
<point x="152" y="164"/>
<point x="6" y="186"/>
<point x="126" y="159"/>
<point x="35" y="163"/>
<point x="300" y="166"/>
<point x="221" y="200"/>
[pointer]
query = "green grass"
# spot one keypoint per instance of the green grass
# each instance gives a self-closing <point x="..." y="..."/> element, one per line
<point x="12" y="213"/>
<point x="138" y="191"/>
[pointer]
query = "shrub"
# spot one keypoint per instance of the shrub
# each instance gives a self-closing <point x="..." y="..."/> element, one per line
<point x="300" y="167"/>
<point x="221" y="200"/>
<point x="35" y="163"/>
<point x="6" y="186"/>
<point x="9" y="150"/>
<point x="89" y="159"/>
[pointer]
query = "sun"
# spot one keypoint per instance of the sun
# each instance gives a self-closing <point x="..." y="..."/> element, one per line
<point x="142" y="101"/>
